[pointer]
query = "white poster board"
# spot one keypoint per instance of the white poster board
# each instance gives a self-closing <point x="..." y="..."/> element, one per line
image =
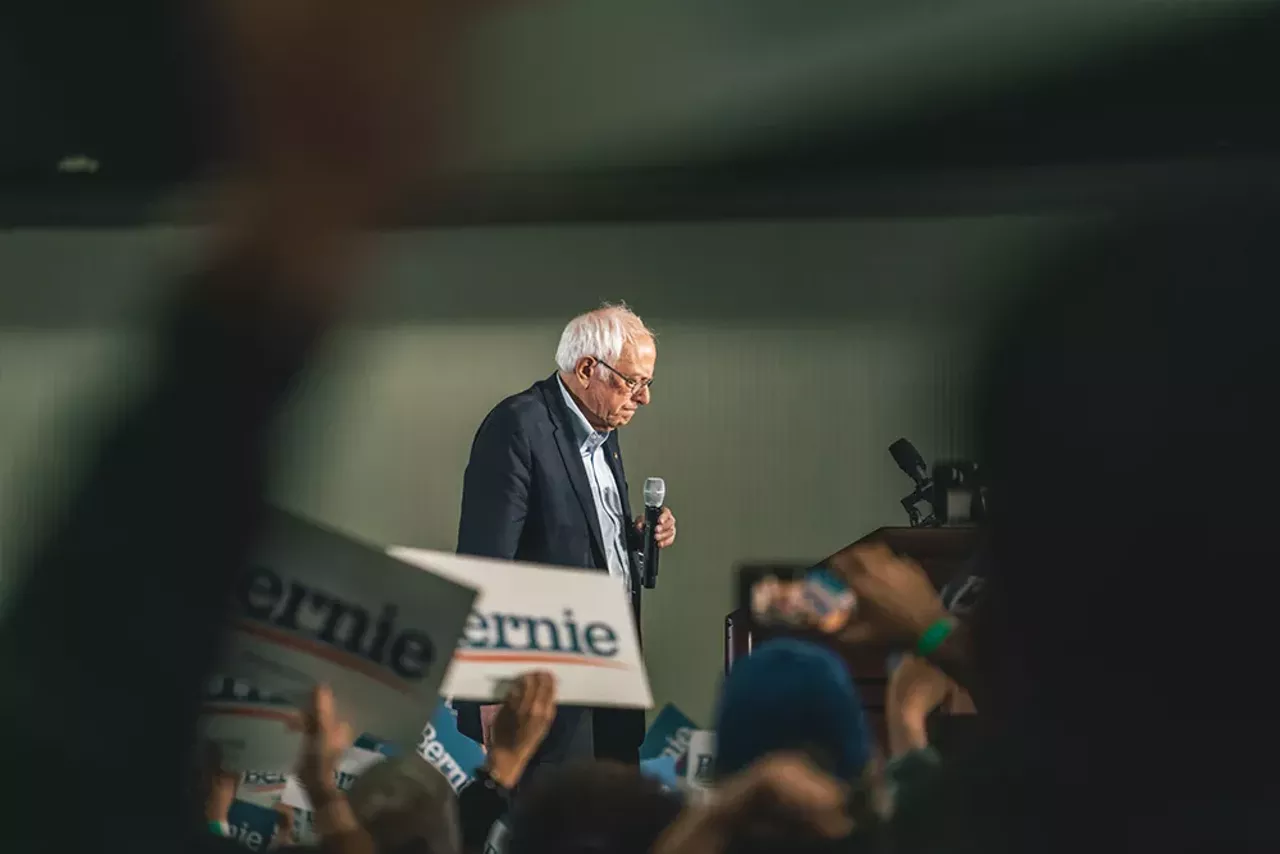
<point x="352" y="765"/>
<point x="700" y="767"/>
<point x="319" y="607"/>
<point x="574" y="623"/>
<point x="251" y="727"/>
<point x="261" y="789"/>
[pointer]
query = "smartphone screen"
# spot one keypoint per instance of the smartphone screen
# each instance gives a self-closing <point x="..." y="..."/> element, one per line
<point x="831" y="603"/>
<point x="813" y="599"/>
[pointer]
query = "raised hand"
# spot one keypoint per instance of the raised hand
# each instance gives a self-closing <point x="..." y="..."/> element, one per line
<point x="219" y="785"/>
<point x="520" y="725"/>
<point x="336" y="111"/>
<point x="783" y="791"/>
<point x="325" y="740"/>
<point x="896" y="599"/>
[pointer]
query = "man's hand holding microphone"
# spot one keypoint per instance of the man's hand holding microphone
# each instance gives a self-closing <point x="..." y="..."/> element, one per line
<point x="656" y="529"/>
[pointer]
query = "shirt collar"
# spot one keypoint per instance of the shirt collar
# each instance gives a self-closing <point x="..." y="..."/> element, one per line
<point x="589" y="438"/>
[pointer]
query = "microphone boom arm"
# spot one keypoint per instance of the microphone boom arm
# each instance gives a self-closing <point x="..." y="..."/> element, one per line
<point x="912" y="505"/>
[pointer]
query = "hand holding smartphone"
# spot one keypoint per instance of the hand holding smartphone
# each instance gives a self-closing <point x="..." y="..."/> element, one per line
<point x="816" y="599"/>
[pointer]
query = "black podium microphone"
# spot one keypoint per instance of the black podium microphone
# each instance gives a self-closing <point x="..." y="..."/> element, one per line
<point x="912" y="464"/>
<point x="655" y="492"/>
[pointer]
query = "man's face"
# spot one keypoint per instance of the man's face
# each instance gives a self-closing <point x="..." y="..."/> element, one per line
<point x="613" y="392"/>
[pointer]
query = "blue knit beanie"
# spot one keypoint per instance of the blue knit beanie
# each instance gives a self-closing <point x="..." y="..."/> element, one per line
<point x="791" y="695"/>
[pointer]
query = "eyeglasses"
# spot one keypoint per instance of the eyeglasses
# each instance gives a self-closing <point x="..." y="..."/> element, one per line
<point x="633" y="384"/>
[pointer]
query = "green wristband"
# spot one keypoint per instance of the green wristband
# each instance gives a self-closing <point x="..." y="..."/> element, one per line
<point x="219" y="828"/>
<point x="934" y="637"/>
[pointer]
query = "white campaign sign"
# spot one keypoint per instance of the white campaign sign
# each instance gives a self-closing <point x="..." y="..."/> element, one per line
<point x="575" y="623"/>
<point x="261" y="789"/>
<point x="251" y="726"/>
<point x="353" y="764"/>
<point x="700" y="766"/>
<point x="318" y="607"/>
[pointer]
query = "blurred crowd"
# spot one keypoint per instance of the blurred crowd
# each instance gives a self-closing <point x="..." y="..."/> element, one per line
<point x="796" y="763"/>
<point x="1116" y="657"/>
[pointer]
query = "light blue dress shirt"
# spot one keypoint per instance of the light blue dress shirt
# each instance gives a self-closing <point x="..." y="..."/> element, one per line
<point x="604" y="490"/>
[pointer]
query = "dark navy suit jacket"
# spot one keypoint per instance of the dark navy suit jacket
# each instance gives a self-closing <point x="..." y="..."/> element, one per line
<point x="525" y="496"/>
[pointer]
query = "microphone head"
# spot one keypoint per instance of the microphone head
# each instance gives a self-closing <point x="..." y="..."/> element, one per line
<point x="655" y="492"/>
<point x="908" y="459"/>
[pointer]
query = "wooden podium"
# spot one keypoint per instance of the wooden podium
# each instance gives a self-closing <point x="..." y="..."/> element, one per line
<point x="942" y="552"/>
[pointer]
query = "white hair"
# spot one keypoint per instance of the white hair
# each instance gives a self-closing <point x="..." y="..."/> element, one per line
<point x="601" y="334"/>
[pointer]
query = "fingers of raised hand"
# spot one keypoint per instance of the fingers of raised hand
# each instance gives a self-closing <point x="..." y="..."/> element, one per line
<point x="800" y="789"/>
<point x="318" y="716"/>
<point x="543" y="707"/>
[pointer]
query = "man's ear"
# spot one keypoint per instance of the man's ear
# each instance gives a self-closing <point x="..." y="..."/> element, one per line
<point x="583" y="370"/>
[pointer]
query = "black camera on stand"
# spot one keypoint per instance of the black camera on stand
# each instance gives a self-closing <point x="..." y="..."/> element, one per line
<point x="959" y="495"/>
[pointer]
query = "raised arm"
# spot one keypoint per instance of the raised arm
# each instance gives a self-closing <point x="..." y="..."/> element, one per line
<point x="108" y="637"/>
<point x="115" y="624"/>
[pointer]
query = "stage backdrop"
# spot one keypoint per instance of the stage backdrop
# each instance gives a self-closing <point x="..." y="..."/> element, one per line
<point x="790" y="355"/>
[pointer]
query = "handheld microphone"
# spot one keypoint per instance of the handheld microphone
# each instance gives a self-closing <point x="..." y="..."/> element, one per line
<point x="655" y="492"/>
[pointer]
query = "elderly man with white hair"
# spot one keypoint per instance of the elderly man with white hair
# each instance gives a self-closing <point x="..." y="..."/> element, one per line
<point x="545" y="483"/>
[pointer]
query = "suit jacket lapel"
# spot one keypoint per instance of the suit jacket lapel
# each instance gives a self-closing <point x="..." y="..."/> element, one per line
<point x="571" y="454"/>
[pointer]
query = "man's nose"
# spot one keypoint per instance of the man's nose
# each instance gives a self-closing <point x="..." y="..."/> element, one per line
<point x="642" y="396"/>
